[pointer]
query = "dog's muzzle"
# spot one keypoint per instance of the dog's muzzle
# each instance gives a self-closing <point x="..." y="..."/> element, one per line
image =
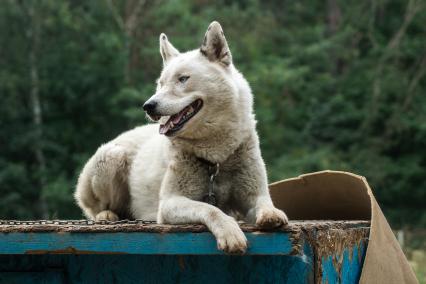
<point x="149" y="106"/>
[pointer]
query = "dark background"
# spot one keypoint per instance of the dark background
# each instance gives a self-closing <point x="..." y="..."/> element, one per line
<point x="337" y="84"/>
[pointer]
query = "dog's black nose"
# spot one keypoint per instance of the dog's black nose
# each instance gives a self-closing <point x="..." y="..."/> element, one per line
<point x="149" y="106"/>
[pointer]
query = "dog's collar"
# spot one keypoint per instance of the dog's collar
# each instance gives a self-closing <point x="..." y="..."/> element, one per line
<point x="213" y="168"/>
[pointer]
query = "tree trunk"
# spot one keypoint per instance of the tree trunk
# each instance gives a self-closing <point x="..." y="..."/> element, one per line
<point x="37" y="115"/>
<point x="128" y="24"/>
<point x="413" y="7"/>
<point x="334" y="16"/>
<point x="334" y="19"/>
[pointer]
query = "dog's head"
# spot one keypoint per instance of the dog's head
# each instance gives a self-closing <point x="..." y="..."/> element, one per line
<point x="199" y="90"/>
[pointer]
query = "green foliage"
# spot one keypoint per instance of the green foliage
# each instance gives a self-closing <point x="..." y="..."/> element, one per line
<point x="337" y="86"/>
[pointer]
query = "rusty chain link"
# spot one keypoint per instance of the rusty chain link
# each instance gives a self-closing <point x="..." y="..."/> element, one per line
<point x="73" y="222"/>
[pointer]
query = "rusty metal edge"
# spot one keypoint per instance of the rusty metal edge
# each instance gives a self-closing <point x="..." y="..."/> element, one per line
<point x="292" y="227"/>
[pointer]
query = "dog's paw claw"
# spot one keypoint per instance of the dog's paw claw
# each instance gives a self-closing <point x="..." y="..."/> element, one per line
<point x="232" y="244"/>
<point x="232" y="240"/>
<point x="271" y="218"/>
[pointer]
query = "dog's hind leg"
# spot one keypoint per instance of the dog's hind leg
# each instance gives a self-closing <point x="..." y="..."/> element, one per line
<point x="102" y="191"/>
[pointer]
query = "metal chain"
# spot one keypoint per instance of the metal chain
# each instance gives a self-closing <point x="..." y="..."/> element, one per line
<point x="74" y="222"/>
<point x="210" y="197"/>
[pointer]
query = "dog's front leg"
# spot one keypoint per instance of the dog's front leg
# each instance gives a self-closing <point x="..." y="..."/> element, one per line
<point x="252" y="190"/>
<point x="262" y="210"/>
<point x="266" y="215"/>
<point x="182" y="210"/>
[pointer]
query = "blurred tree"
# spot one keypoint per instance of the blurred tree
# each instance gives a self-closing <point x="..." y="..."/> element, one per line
<point x="338" y="85"/>
<point x="33" y="37"/>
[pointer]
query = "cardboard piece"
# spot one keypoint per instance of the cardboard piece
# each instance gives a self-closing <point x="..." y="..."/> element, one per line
<point x="335" y="195"/>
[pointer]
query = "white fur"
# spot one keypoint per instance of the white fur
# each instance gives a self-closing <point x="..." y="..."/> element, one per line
<point x="164" y="175"/>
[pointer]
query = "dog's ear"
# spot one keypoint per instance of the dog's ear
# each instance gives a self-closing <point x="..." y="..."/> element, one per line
<point x="167" y="50"/>
<point x="214" y="46"/>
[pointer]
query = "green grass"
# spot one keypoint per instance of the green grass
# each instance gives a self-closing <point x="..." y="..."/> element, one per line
<point x="417" y="259"/>
<point x="415" y="250"/>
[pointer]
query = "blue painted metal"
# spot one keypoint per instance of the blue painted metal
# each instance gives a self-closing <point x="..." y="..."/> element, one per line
<point x="32" y="277"/>
<point x="277" y="243"/>
<point x="164" y="268"/>
<point x="186" y="257"/>
<point x="344" y="268"/>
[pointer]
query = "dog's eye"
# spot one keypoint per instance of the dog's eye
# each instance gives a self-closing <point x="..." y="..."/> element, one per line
<point x="183" y="79"/>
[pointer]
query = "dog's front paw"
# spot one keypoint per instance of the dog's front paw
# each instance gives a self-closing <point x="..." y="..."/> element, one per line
<point x="270" y="217"/>
<point x="106" y="215"/>
<point x="230" y="238"/>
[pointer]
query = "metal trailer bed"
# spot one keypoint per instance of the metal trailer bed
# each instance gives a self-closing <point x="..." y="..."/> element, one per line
<point x="65" y="251"/>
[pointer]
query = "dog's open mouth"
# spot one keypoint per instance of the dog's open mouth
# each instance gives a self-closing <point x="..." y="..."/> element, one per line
<point x="178" y="120"/>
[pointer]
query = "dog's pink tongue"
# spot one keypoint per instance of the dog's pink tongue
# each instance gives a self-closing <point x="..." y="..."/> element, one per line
<point x="175" y="119"/>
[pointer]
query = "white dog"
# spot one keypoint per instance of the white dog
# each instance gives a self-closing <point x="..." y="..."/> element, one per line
<point x="199" y="164"/>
